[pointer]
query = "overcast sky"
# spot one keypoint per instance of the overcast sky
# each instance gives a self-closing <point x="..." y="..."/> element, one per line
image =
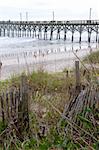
<point x="42" y="9"/>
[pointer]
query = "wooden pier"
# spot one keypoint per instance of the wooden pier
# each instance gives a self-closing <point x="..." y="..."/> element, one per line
<point x="41" y="29"/>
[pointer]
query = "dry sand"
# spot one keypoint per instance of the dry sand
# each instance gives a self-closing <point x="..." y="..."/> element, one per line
<point x="49" y="61"/>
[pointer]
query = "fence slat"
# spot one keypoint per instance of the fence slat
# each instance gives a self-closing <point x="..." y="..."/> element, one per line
<point x="7" y="106"/>
<point x="77" y="73"/>
<point x="16" y="100"/>
<point x="2" y="109"/>
<point x="12" y="102"/>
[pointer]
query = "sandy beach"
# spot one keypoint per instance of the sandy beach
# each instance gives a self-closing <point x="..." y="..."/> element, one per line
<point x="26" y="55"/>
<point x="50" y="60"/>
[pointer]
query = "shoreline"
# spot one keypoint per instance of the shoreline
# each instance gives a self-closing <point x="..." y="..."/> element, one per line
<point x="51" y="62"/>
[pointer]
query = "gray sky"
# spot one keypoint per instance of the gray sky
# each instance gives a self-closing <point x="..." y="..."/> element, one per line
<point x="42" y="9"/>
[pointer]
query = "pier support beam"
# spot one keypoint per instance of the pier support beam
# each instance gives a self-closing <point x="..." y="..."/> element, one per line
<point x="45" y="33"/>
<point x="89" y="34"/>
<point x="96" y="28"/>
<point x="16" y="32"/>
<point x="51" y="33"/>
<point x="80" y="37"/>
<point x="0" y="32"/>
<point x="30" y="33"/>
<point x="4" y="32"/>
<point x="72" y="36"/>
<point x="12" y="33"/>
<point x="80" y="33"/>
<point x="96" y="37"/>
<point x="65" y="31"/>
<point x="8" y="33"/>
<point x="58" y="33"/>
<point x="89" y="37"/>
<point x="19" y="33"/>
<point x="33" y="33"/>
<point x="96" y="34"/>
<point x="27" y="33"/>
<point x="22" y="33"/>
<point x="39" y="33"/>
<point x="72" y="30"/>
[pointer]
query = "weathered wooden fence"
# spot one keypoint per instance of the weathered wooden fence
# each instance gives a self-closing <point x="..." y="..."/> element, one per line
<point x="14" y="102"/>
<point x="14" y="106"/>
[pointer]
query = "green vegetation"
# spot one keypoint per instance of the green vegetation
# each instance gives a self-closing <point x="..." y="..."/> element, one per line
<point x="92" y="58"/>
<point x="49" y="93"/>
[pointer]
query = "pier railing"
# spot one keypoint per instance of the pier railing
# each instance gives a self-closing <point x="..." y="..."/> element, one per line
<point x="51" y="22"/>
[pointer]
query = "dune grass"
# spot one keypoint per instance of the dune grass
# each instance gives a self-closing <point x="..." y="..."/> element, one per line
<point x="49" y="95"/>
<point x="92" y="58"/>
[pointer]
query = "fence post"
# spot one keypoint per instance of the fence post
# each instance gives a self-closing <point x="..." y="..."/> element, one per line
<point x="2" y="109"/>
<point x="12" y="102"/>
<point x="77" y="73"/>
<point x="23" y="106"/>
<point x="16" y="101"/>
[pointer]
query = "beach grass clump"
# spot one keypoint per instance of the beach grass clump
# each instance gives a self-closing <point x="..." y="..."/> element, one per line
<point x="50" y="83"/>
<point x="92" y="58"/>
